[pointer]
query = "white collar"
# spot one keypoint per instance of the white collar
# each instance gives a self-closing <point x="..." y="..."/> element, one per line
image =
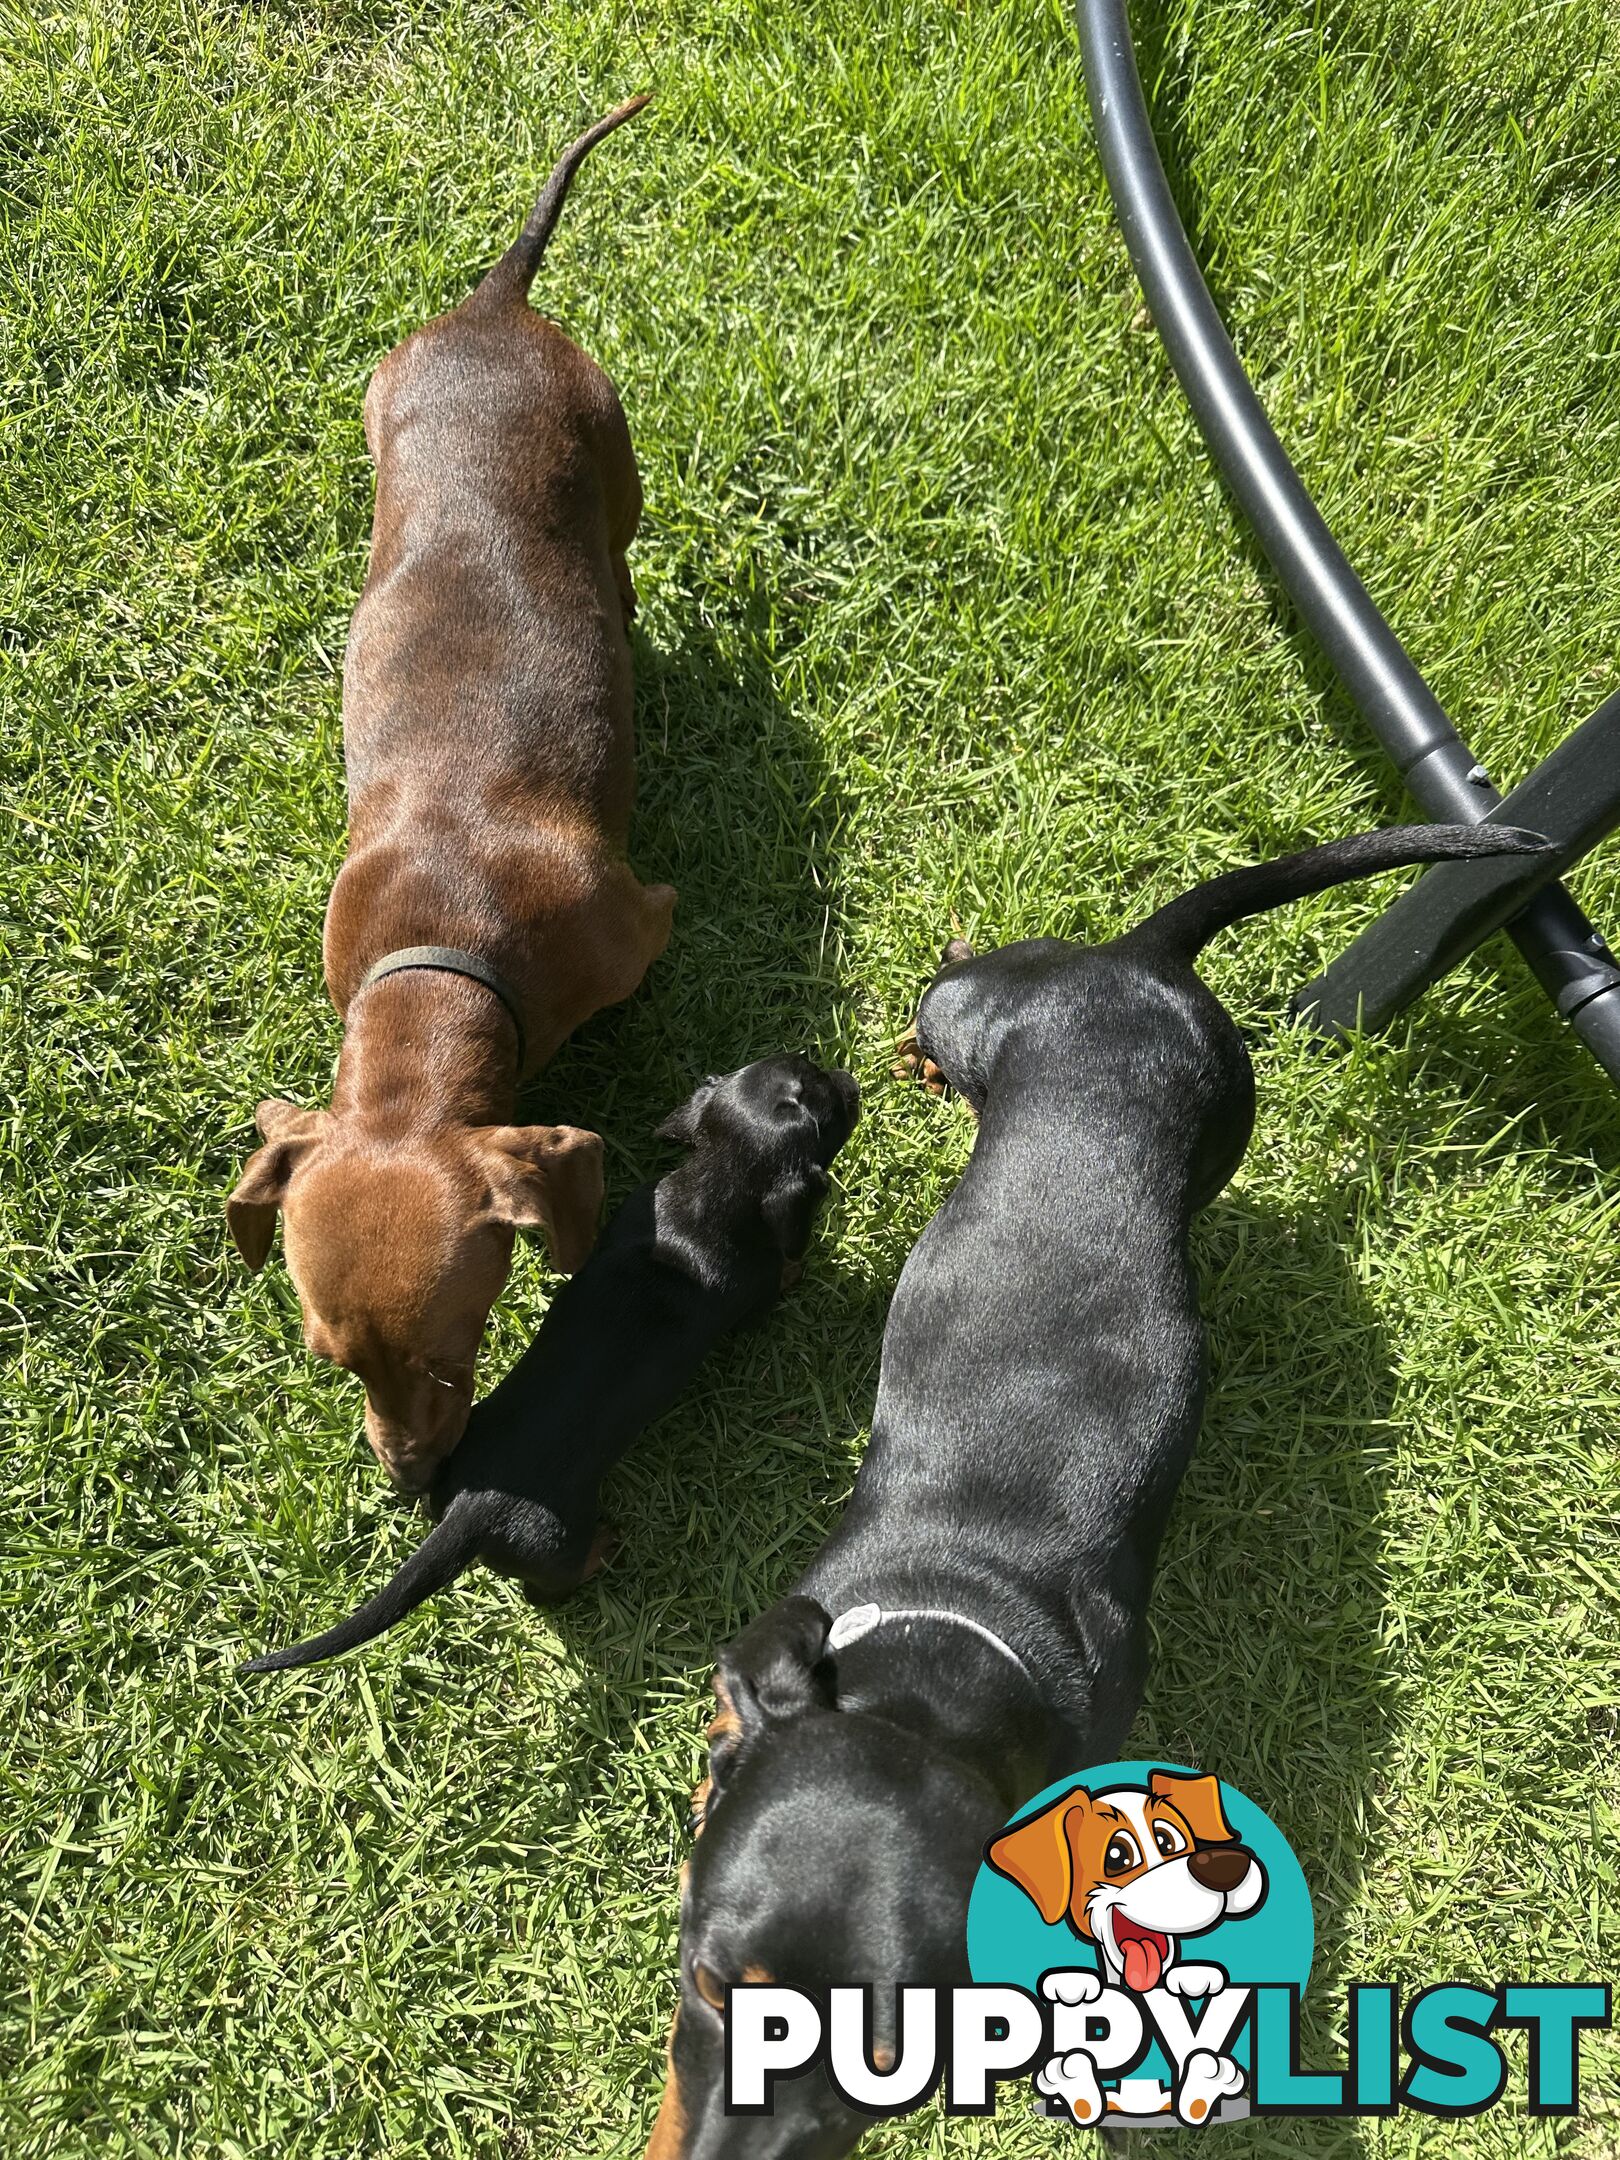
<point x="860" y="1620"/>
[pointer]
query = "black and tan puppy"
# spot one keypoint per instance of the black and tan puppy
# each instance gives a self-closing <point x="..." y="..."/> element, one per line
<point x="684" y="1262"/>
<point x="975" y="1626"/>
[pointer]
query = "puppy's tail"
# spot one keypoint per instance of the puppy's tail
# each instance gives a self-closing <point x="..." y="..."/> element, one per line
<point x="449" y="1548"/>
<point x="510" y="279"/>
<point x="1183" y="928"/>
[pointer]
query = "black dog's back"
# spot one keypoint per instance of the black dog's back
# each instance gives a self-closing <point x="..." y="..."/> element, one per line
<point x="1042" y="1375"/>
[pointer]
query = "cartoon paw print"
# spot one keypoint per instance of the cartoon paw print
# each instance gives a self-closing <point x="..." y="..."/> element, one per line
<point x="1073" y="2080"/>
<point x="1205" y="2082"/>
<point x="1072" y="1988"/>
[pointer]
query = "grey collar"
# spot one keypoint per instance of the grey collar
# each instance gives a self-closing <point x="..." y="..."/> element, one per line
<point x="447" y="960"/>
<point x="860" y="1621"/>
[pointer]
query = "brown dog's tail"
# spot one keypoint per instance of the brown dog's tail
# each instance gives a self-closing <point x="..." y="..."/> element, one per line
<point x="1186" y="926"/>
<point x="509" y="281"/>
<point x="449" y="1548"/>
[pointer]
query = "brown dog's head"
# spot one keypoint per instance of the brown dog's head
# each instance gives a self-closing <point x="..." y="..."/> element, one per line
<point x="400" y="1248"/>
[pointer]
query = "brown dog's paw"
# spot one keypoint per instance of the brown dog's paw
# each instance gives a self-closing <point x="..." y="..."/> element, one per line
<point x="911" y="1062"/>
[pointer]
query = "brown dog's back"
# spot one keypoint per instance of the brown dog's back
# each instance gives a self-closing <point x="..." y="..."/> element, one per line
<point x="490" y="636"/>
<point x="487" y="715"/>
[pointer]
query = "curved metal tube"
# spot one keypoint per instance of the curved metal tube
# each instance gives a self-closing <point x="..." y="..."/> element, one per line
<point x="1441" y="772"/>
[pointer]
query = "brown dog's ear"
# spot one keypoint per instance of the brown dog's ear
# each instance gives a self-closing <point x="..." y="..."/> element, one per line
<point x="777" y="1669"/>
<point x="547" y="1176"/>
<point x="289" y="1134"/>
<point x="1038" y="1856"/>
<point x="1198" y="1802"/>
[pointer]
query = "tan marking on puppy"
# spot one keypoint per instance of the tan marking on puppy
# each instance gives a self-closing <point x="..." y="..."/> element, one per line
<point x="669" y="2131"/>
<point x="759" y="1976"/>
<point x="726" y="1724"/>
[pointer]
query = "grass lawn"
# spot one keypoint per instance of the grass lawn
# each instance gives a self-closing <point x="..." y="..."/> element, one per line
<point x="942" y="613"/>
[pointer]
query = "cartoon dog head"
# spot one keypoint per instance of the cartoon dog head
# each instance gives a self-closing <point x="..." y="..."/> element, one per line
<point x="1133" y="1871"/>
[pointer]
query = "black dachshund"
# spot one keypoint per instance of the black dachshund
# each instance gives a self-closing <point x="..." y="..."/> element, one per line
<point x="975" y="1626"/>
<point x="685" y="1261"/>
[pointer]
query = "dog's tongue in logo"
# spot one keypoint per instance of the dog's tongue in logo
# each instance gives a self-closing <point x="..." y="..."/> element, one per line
<point x="1143" y="1950"/>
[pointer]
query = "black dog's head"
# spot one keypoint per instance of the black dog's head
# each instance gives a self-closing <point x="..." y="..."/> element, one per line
<point x="836" y="1848"/>
<point x="778" y="1122"/>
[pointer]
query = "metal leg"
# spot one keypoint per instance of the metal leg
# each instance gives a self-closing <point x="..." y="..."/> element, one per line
<point x="1573" y="798"/>
<point x="1438" y="767"/>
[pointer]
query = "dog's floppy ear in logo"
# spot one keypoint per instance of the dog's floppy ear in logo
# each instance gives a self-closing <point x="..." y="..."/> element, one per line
<point x="1040" y="1857"/>
<point x="776" y="1669"/>
<point x="1197" y="1800"/>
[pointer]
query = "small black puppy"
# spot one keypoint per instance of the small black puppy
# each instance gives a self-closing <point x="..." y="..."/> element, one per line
<point x="975" y="1626"/>
<point x="705" y="1250"/>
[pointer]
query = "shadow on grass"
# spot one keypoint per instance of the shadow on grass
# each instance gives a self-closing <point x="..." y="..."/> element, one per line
<point x="737" y="809"/>
<point x="1267" y="1614"/>
<point x="734" y="1488"/>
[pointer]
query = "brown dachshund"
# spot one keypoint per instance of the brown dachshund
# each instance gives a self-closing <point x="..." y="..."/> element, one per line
<point x="486" y="908"/>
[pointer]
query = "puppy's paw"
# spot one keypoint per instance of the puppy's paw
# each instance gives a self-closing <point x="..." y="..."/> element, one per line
<point x="1072" y="2080"/>
<point x="1072" y="1988"/>
<point x="1189" y="1981"/>
<point x="912" y="1062"/>
<point x="1206" y="2080"/>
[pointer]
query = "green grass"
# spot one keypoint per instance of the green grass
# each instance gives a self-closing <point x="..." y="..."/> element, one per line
<point x="943" y="613"/>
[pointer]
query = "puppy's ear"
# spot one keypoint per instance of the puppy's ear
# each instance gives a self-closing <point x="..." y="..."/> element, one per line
<point x="1038" y="1855"/>
<point x="1197" y="1800"/>
<point x="289" y="1134"/>
<point x="547" y="1176"/>
<point x="681" y="1125"/>
<point x="776" y="1670"/>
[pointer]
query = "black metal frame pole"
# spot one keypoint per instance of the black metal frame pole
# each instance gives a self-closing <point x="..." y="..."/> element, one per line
<point x="1573" y="799"/>
<point x="1380" y="676"/>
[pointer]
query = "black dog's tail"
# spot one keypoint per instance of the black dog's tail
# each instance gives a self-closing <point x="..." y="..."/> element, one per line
<point x="1185" y="926"/>
<point x="512" y="276"/>
<point x="449" y="1548"/>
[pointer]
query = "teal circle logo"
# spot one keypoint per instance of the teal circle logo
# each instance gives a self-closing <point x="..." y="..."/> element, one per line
<point x="1143" y="1902"/>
